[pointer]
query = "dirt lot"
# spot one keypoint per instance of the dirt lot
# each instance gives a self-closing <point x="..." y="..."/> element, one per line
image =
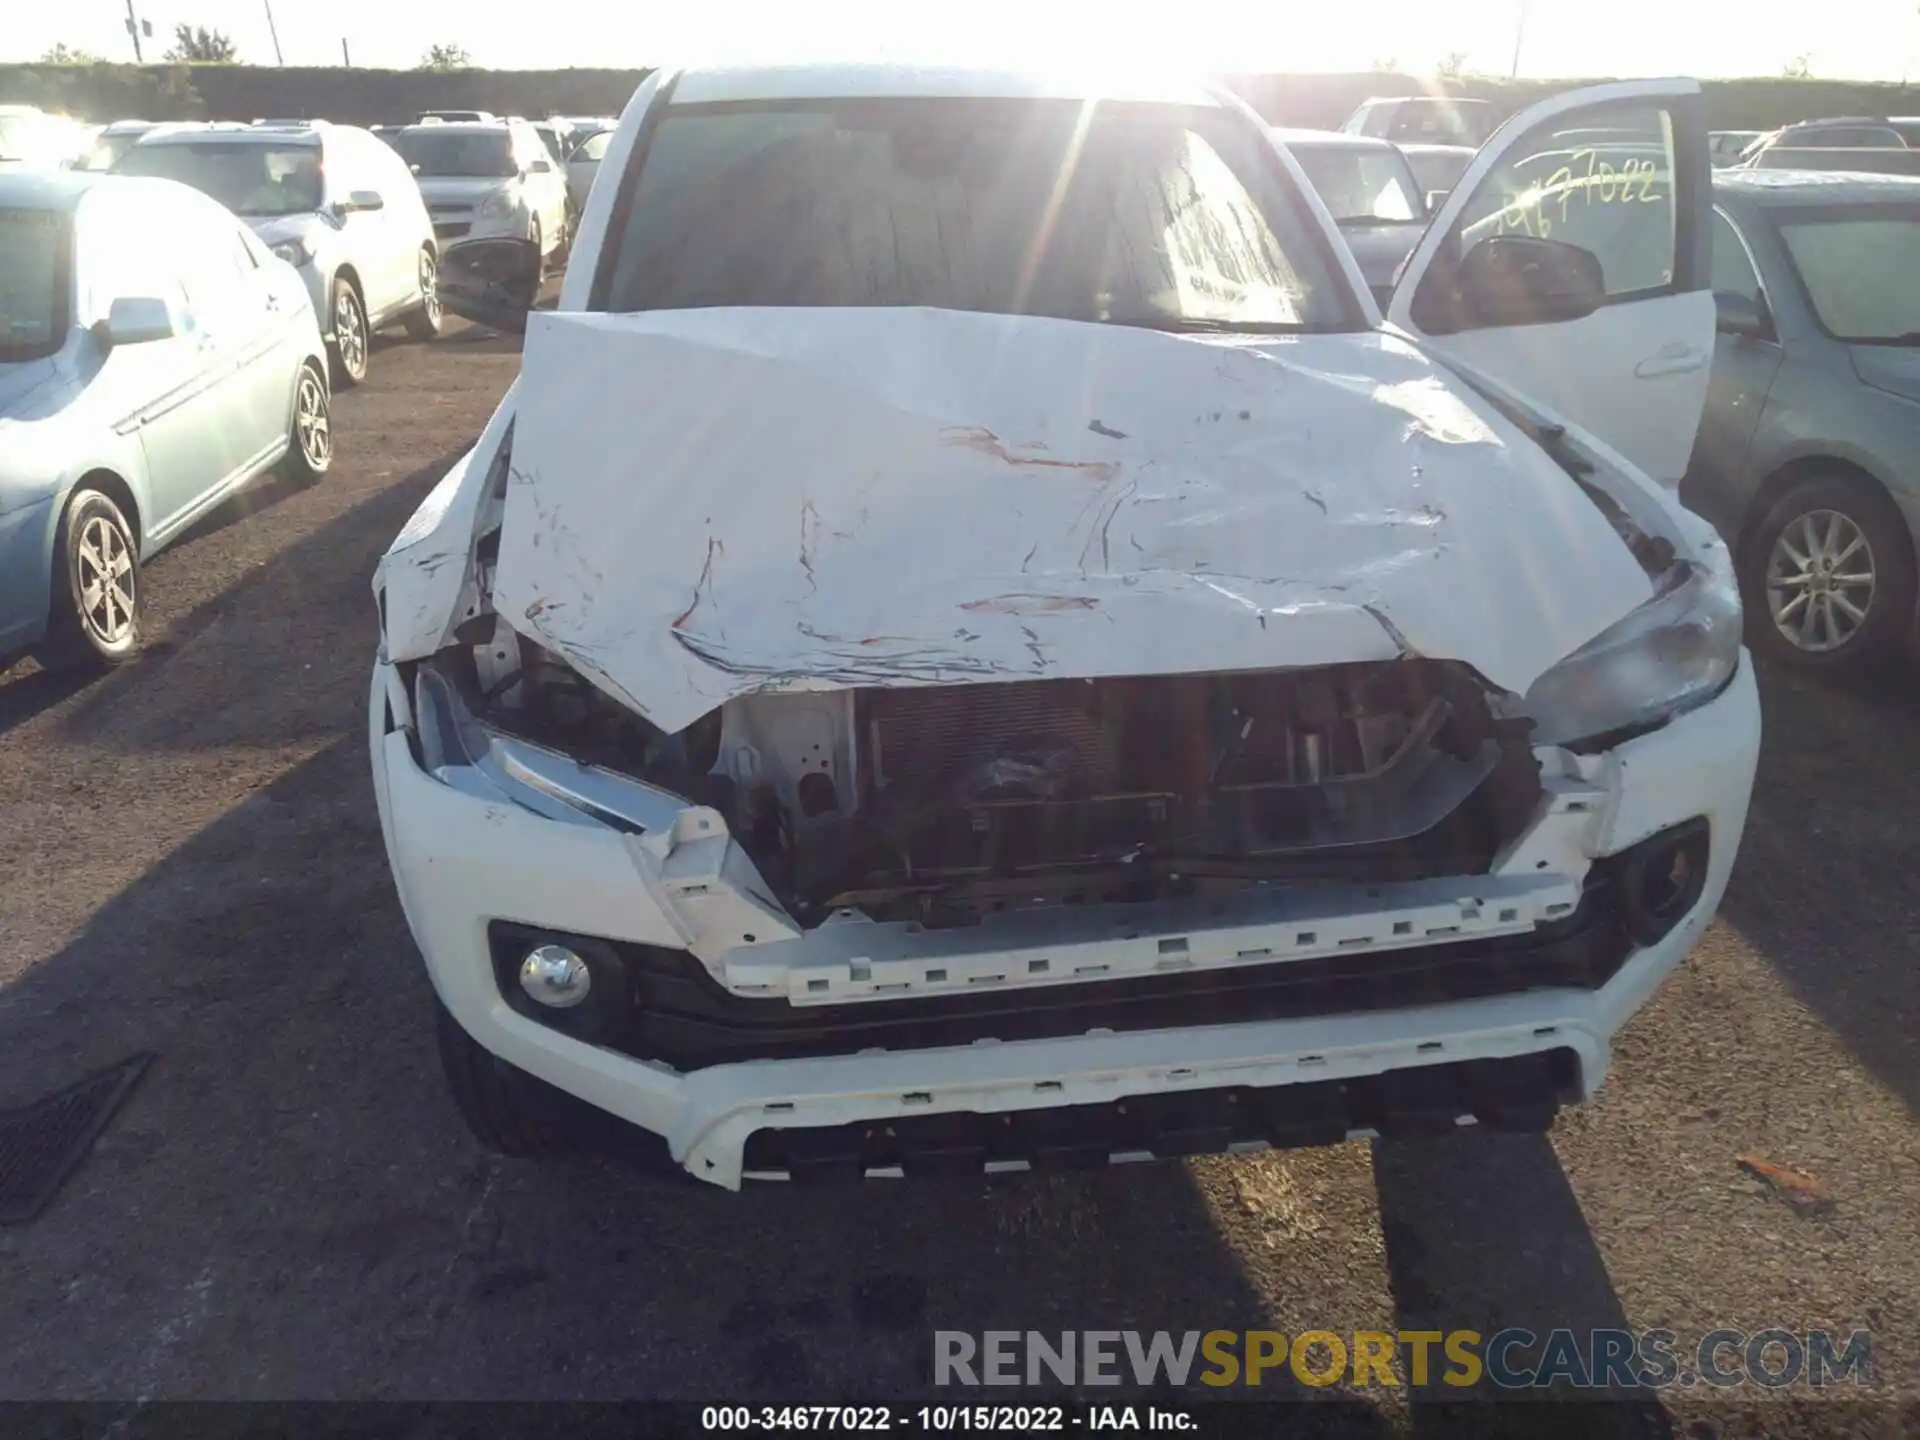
<point x="288" y="1206"/>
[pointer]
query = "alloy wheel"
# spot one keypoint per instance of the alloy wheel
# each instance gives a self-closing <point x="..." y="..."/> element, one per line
<point x="430" y="288"/>
<point x="104" y="562"/>
<point x="313" y="426"/>
<point x="349" y="333"/>
<point x="1820" y="581"/>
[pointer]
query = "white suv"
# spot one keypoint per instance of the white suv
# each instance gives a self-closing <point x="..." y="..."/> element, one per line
<point x="487" y="179"/>
<point x="333" y="202"/>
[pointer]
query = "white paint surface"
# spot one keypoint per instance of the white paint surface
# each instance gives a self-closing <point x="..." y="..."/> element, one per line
<point x="707" y="504"/>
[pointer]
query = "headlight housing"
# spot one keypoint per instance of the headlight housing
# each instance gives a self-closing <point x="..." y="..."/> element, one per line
<point x="1675" y="652"/>
<point x="294" y="252"/>
<point x="497" y="205"/>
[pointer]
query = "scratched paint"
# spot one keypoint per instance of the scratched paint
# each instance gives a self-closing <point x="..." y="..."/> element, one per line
<point x="723" y="502"/>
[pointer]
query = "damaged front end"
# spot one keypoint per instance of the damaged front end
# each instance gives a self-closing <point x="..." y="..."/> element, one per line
<point x="994" y="791"/>
<point x="940" y="806"/>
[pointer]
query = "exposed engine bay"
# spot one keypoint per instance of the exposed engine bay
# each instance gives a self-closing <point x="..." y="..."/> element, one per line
<point x="940" y="805"/>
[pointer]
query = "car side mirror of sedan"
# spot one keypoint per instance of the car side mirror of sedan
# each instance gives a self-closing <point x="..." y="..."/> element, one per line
<point x="134" y="320"/>
<point x="358" y="200"/>
<point x="1523" y="280"/>
<point x="1741" y="315"/>
<point x="492" y="282"/>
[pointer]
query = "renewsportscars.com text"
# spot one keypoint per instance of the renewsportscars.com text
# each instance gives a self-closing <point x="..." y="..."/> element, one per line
<point x="1510" y="1359"/>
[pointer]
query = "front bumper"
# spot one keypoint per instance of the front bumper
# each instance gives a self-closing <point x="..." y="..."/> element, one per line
<point x="26" y="551"/>
<point x="319" y="287"/>
<point x="462" y="863"/>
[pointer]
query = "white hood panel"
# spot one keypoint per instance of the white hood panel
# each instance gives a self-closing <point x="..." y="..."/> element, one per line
<point x="713" y="503"/>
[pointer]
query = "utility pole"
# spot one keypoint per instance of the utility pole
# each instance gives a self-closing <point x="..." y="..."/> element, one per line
<point x="133" y="29"/>
<point x="274" y="31"/>
<point x="345" y="58"/>
<point x="1519" y="36"/>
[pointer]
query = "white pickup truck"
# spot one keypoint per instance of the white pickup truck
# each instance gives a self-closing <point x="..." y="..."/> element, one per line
<point x="973" y="643"/>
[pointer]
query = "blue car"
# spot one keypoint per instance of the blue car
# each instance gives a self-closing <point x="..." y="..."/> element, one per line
<point x="154" y="357"/>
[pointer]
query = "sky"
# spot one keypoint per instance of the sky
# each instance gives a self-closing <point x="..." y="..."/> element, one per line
<point x="1841" y="39"/>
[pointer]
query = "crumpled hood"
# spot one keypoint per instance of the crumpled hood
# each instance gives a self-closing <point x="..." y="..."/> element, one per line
<point x="453" y="190"/>
<point x="706" y="504"/>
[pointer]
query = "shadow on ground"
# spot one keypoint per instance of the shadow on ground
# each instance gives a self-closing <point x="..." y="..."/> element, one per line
<point x="1826" y="887"/>
<point x="1484" y="1233"/>
<point x="289" y="1204"/>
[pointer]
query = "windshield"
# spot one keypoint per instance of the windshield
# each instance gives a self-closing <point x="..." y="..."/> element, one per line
<point x="247" y="177"/>
<point x="1124" y="213"/>
<point x="471" y="154"/>
<point x="1450" y="122"/>
<point x="1858" y="268"/>
<point x="1361" y="185"/>
<point x="33" y="283"/>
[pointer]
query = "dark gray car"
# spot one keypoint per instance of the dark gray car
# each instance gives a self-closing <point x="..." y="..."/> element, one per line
<point x="1808" y="456"/>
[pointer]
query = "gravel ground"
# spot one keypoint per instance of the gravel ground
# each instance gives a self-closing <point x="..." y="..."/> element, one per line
<point x="288" y="1205"/>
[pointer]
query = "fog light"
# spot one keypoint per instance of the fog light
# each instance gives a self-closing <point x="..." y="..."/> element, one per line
<point x="1662" y="880"/>
<point x="555" y="977"/>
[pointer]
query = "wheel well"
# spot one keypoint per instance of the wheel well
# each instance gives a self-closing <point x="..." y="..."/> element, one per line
<point x="1790" y="475"/>
<point x="116" y="490"/>
<point x="352" y="277"/>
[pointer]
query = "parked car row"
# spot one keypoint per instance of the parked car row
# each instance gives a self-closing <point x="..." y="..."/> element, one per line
<point x="332" y="201"/>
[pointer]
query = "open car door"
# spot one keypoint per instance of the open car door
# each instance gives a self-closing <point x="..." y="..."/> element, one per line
<point x="1570" y="265"/>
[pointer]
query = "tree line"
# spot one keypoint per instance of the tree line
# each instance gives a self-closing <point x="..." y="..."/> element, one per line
<point x="202" y="45"/>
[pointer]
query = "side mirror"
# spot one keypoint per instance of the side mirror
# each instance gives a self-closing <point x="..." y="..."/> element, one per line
<point x="135" y="320"/>
<point x="1741" y="315"/>
<point x="359" y="200"/>
<point x="1520" y="280"/>
<point x="492" y="282"/>
<point x="539" y="167"/>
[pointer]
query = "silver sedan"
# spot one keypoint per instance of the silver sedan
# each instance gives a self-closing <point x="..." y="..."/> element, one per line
<point x="1808" y="456"/>
<point x="154" y="356"/>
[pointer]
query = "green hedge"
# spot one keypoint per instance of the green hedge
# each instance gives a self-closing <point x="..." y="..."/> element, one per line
<point x="245" y="92"/>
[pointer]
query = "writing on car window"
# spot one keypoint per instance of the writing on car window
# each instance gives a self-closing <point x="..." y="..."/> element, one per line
<point x="1614" y="199"/>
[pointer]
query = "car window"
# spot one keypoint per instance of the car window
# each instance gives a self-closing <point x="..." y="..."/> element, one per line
<point x="1857" y="267"/>
<point x="432" y="150"/>
<point x="1841" y="136"/>
<point x="215" y="266"/>
<point x="1361" y="184"/>
<point x="1434" y="122"/>
<point x="1128" y="213"/>
<point x="246" y="176"/>
<point x="594" y="147"/>
<point x="119" y="259"/>
<point x="1614" y="201"/>
<point x="1732" y="270"/>
<point x="34" y="269"/>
